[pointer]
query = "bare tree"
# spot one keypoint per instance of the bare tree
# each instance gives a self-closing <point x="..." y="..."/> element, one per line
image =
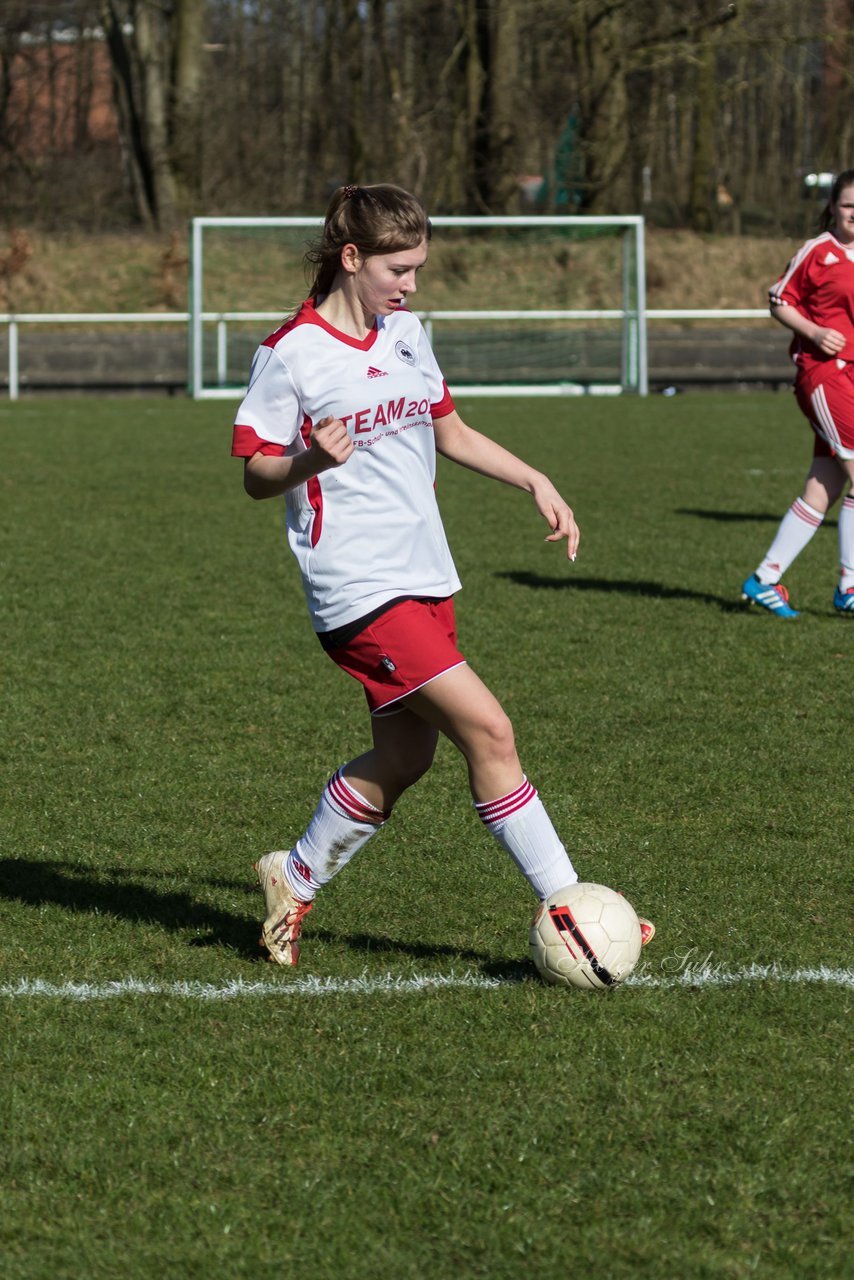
<point x="697" y="112"/>
<point x="155" y="50"/>
<point x="836" y="104"/>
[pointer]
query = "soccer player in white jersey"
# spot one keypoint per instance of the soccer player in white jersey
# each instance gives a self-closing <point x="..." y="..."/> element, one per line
<point x="815" y="299"/>
<point x="345" y="410"/>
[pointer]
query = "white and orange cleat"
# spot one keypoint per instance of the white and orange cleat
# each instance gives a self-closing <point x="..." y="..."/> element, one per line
<point x="285" y="912"/>
<point x="647" y="930"/>
<point x="646" y="926"/>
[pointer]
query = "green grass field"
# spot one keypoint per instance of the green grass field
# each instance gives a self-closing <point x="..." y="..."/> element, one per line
<point x="415" y="1102"/>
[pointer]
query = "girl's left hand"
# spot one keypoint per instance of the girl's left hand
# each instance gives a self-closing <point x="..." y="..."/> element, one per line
<point x="830" y="341"/>
<point x="558" y="515"/>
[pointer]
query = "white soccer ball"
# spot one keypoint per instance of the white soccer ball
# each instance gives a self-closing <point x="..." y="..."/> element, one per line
<point x="586" y="936"/>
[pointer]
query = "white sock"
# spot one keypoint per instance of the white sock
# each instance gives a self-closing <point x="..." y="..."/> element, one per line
<point x="521" y="825"/>
<point x="846" y="543"/>
<point x="343" y="821"/>
<point x="796" y="529"/>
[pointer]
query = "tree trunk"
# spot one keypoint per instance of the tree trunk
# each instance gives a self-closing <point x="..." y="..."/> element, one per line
<point x="598" y="35"/>
<point x="702" y="155"/>
<point x="185" y="125"/>
<point x="496" y="146"/>
<point x="834" y="152"/>
<point x="130" y="114"/>
<point x="155" y="52"/>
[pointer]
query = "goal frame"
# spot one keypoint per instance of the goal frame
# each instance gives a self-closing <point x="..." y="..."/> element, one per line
<point x="631" y="313"/>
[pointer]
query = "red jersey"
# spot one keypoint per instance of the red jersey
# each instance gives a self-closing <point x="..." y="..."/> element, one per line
<point x="819" y="282"/>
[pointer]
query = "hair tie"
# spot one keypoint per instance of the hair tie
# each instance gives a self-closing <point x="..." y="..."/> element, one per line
<point x="350" y="191"/>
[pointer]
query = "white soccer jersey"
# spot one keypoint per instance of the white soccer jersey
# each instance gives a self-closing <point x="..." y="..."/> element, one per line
<point x="369" y="531"/>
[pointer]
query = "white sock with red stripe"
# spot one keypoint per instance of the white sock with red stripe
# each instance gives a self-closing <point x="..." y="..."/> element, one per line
<point x="521" y="825"/>
<point x="797" y="527"/>
<point x="846" y="543"/>
<point x="343" y="821"/>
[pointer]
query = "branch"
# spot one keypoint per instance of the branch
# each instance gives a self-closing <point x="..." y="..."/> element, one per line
<point x="689" y="31"/>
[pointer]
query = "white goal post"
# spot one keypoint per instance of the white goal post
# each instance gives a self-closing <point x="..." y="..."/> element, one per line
<point x="570" y="350"/>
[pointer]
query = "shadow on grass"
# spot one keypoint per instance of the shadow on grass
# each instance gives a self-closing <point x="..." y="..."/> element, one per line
<point x="379" y="944"/>
<point x="634" y="587"/>
<point x="740" y="517"/>
<point x="67" y="885"/>
<point x="123" y="895"/>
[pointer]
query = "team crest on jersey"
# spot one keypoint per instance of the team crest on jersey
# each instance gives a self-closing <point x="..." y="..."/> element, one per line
<point x="405" y="353"/>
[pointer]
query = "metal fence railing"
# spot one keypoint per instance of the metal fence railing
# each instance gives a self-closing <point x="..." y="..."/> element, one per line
<point x="222" y="320"/>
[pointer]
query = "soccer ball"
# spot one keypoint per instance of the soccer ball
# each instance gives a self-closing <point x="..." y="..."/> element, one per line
<point x="586" y="936"/>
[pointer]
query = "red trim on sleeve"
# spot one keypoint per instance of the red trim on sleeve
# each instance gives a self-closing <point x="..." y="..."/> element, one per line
<point x="245" y="442"/>
<point x="445" y="405"/>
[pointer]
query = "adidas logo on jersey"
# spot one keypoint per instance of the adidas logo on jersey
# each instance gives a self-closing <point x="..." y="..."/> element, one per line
<point x="830" y="258"/>
<point x="376" y="373"/>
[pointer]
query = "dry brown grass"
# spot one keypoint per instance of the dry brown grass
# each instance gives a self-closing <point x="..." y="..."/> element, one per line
<point x="147" y="273"/>
<point x="686" y="270"/>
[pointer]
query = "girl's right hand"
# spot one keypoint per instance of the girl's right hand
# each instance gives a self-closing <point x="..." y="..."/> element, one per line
<point x="330" y="445"/>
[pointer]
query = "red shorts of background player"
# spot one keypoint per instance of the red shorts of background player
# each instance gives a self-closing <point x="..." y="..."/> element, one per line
<point x="403" y="649"/>
<point x="829" y="405"/>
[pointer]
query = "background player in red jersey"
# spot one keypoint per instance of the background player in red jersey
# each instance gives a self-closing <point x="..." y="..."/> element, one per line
<point x="815" y="299"/>
<point x="344" y="413"/>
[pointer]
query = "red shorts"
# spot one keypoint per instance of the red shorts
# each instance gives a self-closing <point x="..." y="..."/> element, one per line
<point x="829" y="406"/>
<point x="406" y="647"/>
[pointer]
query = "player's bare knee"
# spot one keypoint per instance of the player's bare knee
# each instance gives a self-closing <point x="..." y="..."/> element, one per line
<point x="496" y="739"/>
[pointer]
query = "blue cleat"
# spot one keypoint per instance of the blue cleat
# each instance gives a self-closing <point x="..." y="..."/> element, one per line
<point x="771" y="596"/>
<point x="844" y="600"/>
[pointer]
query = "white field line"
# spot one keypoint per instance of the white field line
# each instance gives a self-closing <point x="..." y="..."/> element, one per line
<point x="696" y="976"/>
